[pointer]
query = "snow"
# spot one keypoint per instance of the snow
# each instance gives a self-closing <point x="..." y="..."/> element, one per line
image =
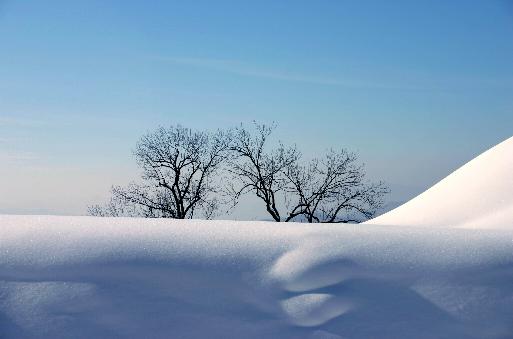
<point x="477" y="195"/>
<point x="86" y="277"/>
<point x="97" y="277"/>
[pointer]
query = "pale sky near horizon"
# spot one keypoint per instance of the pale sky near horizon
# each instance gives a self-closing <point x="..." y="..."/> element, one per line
<point x="418" y="88"/>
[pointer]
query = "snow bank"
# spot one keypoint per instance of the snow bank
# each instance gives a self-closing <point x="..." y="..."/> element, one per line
<point x="477" y="195"/>
<point x="81" y="277"/>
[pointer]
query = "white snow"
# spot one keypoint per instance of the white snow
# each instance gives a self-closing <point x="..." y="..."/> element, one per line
<point x="477" y="195"/>
<point x="85" y="277"/>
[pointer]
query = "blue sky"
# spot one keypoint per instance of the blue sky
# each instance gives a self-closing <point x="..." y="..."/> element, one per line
<point x="416" y="87"/>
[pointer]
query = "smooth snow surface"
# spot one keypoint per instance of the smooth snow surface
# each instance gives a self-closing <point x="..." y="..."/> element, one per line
<point x="86" y="277"/>
<point x="477" y="195"/>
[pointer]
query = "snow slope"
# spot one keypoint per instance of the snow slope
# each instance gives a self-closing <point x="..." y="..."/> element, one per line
<point x="86" y="277"/>
<point x="477" y="195"/>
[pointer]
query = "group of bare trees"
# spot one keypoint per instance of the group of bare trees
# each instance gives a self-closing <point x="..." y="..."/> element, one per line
<point x="187" y="173"/>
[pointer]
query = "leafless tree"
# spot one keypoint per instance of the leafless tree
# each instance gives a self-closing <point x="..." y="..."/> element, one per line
<point x="258" y="170"/>
<point x="333" y="189"/>
<point x="182" y="174"/>
<point x="179" y="168"/>
<point x="329" y="190"/>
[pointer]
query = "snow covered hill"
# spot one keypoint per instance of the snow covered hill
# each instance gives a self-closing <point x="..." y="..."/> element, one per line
<point x="477" y="195"/>
<point x="86" y="277"/>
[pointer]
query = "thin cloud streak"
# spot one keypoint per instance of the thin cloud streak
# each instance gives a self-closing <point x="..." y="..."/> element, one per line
<point x="18" y="158"/>
<point x="10" y="121"/>
<point x="417" y="81"/>
<point x="245" y="69"/>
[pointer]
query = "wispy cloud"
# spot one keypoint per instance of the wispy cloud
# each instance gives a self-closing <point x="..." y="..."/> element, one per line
<point x="13" y="121"/>
<point x="410" y="80"/>
<point x="18" y="158"/>
<point x="245" y="69"/>
<point x="13" y="146"/>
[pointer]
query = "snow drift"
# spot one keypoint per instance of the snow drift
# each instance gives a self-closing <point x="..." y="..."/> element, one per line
<point x="79" y="277"/>
<point x="477" y="195"/>
<point x="86" y="277"/>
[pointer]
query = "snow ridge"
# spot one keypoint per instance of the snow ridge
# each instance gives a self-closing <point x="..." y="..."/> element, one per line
<point x="477" y="195"/>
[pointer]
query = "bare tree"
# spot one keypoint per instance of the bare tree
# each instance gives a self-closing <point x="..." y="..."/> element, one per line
<point x="329" y="190"/>
<point x="179" y="168"/>
<point x="258" y="170"/>
<point x="182" y="175"/>
<point x="333" y="189"/>
<point x="113" y="208"/>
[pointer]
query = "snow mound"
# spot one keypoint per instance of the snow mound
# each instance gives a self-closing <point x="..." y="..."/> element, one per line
<point x="83" y="277"/>
<point x="477" y="195"/>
